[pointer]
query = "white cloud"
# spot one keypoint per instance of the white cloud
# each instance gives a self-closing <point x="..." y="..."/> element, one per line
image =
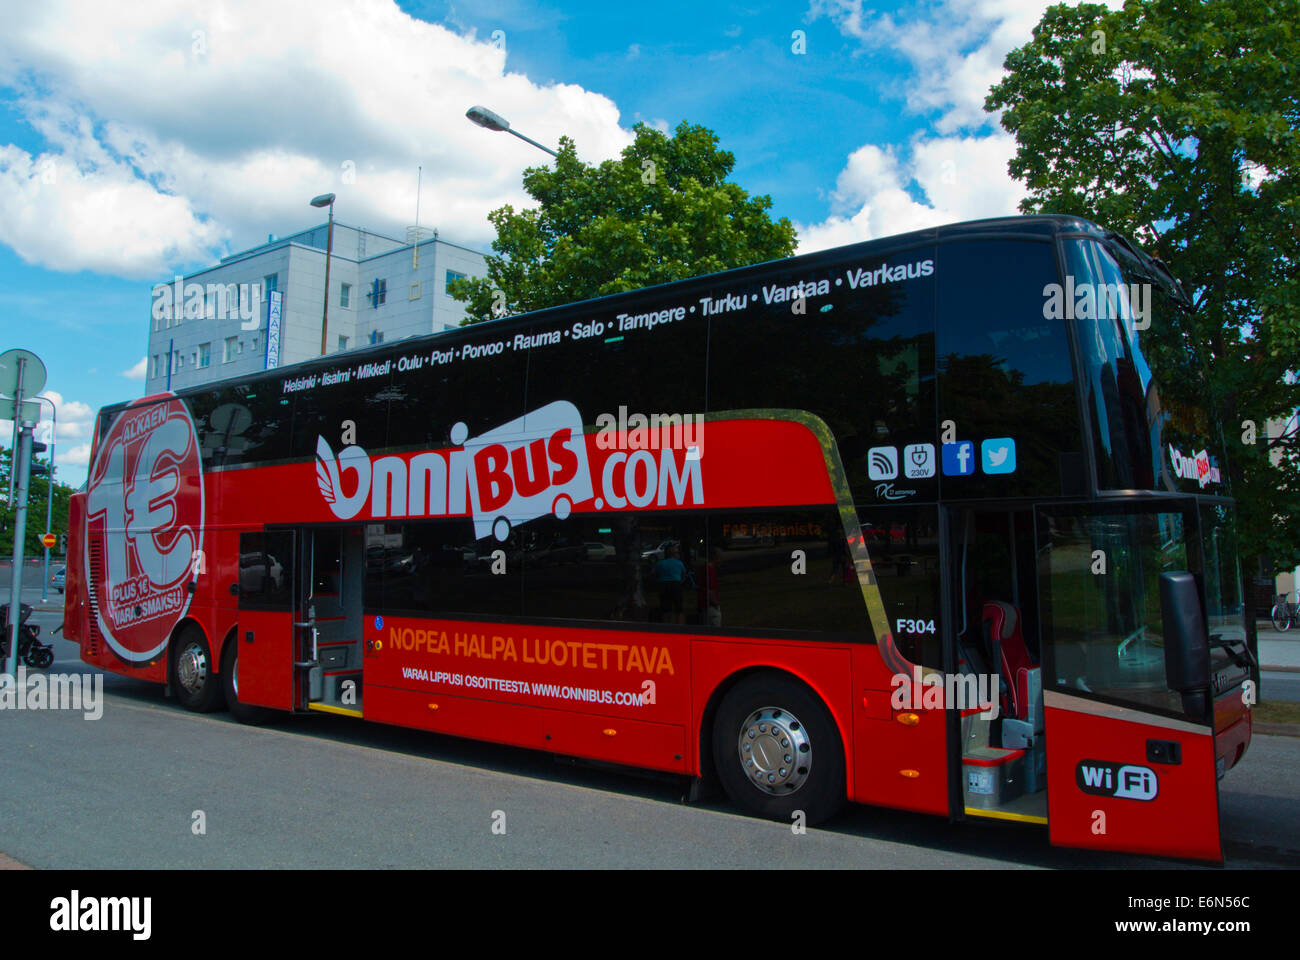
<point x="138" y="371"/>
<point x="944" y="180"/>
<point x="178" y="130"/>
<point x="76" y="419"/>
<point x="78" y="456"/>
<point x="76" y="427"/>
<point x="956" y="49"/>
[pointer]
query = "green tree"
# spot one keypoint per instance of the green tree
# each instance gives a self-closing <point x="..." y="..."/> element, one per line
<point x="1175" y="122"/>
<point x="663" y="211"/>
<point x="36" y="500"/>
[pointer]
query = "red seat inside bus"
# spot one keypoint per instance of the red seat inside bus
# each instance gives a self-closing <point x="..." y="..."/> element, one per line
<point x="1005" y="643"/>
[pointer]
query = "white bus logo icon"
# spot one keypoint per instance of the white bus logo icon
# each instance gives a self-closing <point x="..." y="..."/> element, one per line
<point x="526" y="468"/>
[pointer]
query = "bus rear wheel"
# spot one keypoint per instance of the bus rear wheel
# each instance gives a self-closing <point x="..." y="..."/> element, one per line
<point x="193" y="679"/>
<point x="777" y="750"/>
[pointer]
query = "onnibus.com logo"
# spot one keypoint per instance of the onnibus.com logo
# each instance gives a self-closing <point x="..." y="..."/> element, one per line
<point x="1098" y="301"/>
<point x="1200" y="466"/>
<point x="212" y="301"/>
<point x="527" y="468"/>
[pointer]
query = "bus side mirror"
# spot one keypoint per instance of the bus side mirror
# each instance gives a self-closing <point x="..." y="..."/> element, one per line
<point x="1187" y="643"/>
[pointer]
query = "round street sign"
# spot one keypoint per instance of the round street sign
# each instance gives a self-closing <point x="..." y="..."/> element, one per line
<point x="49" y="540"/>
<point x="33" y="373"/>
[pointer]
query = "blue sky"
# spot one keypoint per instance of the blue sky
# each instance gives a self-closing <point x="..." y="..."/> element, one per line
<point x="145" y="142"/>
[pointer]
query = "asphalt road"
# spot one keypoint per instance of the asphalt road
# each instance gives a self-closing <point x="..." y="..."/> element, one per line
<point x="1276" y="685"/>
<point x="129" y="790"/>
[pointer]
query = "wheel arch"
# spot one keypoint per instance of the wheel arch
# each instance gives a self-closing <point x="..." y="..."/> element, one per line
<point x="182" y="625"/>
<point x="704" y="733"/>
<point x="219" y="655"/>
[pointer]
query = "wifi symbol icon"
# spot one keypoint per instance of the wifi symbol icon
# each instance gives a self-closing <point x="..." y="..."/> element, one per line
<point x="882" y="463"/>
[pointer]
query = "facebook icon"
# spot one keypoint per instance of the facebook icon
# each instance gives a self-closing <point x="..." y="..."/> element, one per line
<point x="958" y="458"/>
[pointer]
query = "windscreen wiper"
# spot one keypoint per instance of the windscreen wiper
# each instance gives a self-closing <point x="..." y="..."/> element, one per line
<point x="1238" y="650"/>
<point x="1145" y="267"/>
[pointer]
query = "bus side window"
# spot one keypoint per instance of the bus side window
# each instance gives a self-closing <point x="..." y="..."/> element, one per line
<point x="902" y="543"/>
<point x="784" y="570"/>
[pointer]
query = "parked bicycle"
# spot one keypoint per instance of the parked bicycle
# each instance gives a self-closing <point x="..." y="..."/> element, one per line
<point x="1285" y="615"/>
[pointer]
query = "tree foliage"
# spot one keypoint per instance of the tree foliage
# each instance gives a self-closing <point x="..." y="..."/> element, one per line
<point x="663" y="211"/>
<point x="1175" y="122"/>
<point x="37" y="495"/>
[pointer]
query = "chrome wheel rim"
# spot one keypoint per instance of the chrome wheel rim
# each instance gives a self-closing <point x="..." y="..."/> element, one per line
<point x="192" y="668"/>
<point x="775" y="751"/>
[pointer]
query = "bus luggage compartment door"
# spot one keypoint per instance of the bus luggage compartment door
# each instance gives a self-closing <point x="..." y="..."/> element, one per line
<point x="266" y="619"/>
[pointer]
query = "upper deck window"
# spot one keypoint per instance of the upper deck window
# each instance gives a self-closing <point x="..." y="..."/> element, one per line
<point x="1005" y="373"/>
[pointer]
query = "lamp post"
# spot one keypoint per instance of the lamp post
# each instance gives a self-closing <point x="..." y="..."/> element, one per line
<point x="326" y="200"/>
<point x="491" y="121"/>
<point x="49" y="498"/>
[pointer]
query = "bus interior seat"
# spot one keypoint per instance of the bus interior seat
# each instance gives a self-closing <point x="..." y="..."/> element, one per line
<point x="1002" y="629"/>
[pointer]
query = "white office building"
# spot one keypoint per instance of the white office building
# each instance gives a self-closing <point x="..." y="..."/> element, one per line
<point x="381" y="289"/>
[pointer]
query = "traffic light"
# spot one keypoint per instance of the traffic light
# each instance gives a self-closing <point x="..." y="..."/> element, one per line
<point x="39" y="469"/>
<point x="63" y="543"/>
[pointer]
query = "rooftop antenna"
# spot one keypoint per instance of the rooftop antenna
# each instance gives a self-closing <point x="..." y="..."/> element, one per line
<point x="415" y="234"/>
<point x="415" y="250"/>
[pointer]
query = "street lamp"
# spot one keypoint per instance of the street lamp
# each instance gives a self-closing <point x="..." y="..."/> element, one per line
<point x="49" y="498"/>
<point x="493" y="121"/>
<point x="326" y="200"/>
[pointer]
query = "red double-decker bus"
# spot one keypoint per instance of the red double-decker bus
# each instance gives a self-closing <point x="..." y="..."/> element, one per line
<point x="929" y="522"/>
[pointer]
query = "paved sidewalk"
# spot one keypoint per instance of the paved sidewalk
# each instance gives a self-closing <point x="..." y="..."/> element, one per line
<point x="1279" y="651"/>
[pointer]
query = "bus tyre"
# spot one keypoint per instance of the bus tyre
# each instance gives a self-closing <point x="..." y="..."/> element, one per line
<point x="193" y="678"/>
<point x="777" y="750"/>
<point x="243" y="712"/>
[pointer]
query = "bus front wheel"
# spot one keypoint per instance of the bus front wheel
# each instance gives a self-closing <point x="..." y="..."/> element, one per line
<point x="193" y="678"/>
<point x="777" y="750"/>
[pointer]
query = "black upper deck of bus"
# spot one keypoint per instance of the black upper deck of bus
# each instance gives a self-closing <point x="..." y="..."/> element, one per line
<point x="1038" y="226"/>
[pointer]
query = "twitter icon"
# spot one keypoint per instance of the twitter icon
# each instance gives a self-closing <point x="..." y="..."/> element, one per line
<point x="998" y="455"/>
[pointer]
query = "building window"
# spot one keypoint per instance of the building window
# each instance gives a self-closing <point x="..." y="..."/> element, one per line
<point x="376" y="336"/>
<point x="415" y="291"/>
<point x="153" y="365"/>
<point x="343" y="343"/>
<point x="452" y="275"/>
<point x="230" y="349"/>
<point x="378" y="292"/>
<point x="205" y="355"/>
<point x="345" y="296"/>
<point x="178" y="361"/>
